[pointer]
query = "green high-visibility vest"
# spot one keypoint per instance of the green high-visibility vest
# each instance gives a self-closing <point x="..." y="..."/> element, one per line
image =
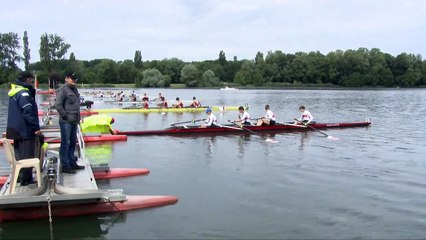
<point x="96" y="124"/>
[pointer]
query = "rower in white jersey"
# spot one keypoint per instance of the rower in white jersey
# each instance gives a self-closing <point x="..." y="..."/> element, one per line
<point x="268" y="119"/>
<point x="211" y="121"/>
<point x="305" y="118"/>
<point x="243" y="117"/>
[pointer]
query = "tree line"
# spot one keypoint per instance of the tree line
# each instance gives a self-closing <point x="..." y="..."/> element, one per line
<point x="350" y="68"/>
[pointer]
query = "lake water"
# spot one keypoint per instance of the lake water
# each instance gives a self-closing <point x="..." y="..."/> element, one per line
<point x="369" y="184"/>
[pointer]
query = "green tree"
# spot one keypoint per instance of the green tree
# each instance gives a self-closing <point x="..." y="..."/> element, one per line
<point x="76" y="66"/>
<point x="152" y="78"/>
<point x="27" y="55"/>
<point x="208" y="79"/>
<point x="231" y="68"/>
<point x="9" y="57"/>
<point x="106" y="71"/>
<point x="211" y="65"/>
<point x="259" y="70"/>
<point x="410" y="78"/>
<point x="72" y="63"/>
<point x="378" y="67"/>
<point x="9" y="44"/>
<point x="138" y="59"/>
<point x="52" y="49"/>
<point x="245" y="75"/>
<point x="127" y="72"/>
<point x="169" y="67"/>
<point x="335" y="66"/>
<point x="222" y="58"/>
<point x="190" y="75"/>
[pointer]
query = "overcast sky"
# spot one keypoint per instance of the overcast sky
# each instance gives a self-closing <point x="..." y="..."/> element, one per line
<point x="196" y="30"/>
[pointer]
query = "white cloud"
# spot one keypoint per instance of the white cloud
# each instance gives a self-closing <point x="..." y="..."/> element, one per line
<point x="198" y="30"/>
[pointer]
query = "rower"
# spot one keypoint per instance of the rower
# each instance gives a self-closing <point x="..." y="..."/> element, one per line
<point x="159" y="97"/>
<point x="211" y="120"/>
<point x="120" y="96"/>
<point x="145" y="98"/>
<point x="163" y="103"/>
<point x="86" y="103"/>
<point x="305" y="118"/>
<point x="243" y="117"/>
<point x="195" y="103"/>
<point x="133" y="96"/>
<point x="145" y="103"/>
<point x="268" y="119"/>
<point x="178" y="104"/>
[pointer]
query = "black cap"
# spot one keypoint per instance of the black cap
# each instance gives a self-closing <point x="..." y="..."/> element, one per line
<point x="24" y="75"/>
<point x="73" y="76"/>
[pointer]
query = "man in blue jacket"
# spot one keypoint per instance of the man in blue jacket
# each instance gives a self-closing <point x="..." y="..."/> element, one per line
<point x="22" y="122"/>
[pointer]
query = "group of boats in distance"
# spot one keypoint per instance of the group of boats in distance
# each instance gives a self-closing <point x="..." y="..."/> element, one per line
<point x="132" y="109"/>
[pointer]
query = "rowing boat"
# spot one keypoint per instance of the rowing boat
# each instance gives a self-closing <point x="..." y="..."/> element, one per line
<point x="230" y="128"/>
<point x="79" y="209"/>
<point x="106" y="174"/>
<point x="91" y="138"/>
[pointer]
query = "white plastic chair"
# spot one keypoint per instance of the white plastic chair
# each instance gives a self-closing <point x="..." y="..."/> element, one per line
<point x="18" y="165"/>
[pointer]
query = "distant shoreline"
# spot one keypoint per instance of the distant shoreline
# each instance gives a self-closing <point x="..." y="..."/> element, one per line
<point x="182" y="86"/>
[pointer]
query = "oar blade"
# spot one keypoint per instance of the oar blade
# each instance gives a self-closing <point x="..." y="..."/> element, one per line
<point x="332" y="138"/>
<point x="271" y="140"/>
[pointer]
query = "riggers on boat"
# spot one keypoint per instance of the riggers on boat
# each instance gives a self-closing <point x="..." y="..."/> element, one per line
<point x="232" y="128"/>
<point x="58" y="194"/>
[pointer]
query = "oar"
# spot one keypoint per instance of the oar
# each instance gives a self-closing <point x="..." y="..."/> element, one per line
<point x="224" y="126"/>
<point x="255" y="133"/>
<point x="323" y="133"/>
<point x="291" y="124"/>
<point x="192" y="121"/>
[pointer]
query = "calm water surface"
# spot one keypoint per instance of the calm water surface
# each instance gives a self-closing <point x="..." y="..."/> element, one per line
<point x="369" y="184"/>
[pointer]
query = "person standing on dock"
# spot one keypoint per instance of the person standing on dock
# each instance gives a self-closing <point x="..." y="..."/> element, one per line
<point x="68" y="107"/>
<point x="23" y="125"/>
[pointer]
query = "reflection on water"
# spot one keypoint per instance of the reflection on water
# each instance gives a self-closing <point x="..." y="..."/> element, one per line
<point x="304" y="138"/>
<point x="99" y="153"/>
<point x="94" y="227"/>
<point x="243" y="140"/>
<point x="210" y="143"/>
